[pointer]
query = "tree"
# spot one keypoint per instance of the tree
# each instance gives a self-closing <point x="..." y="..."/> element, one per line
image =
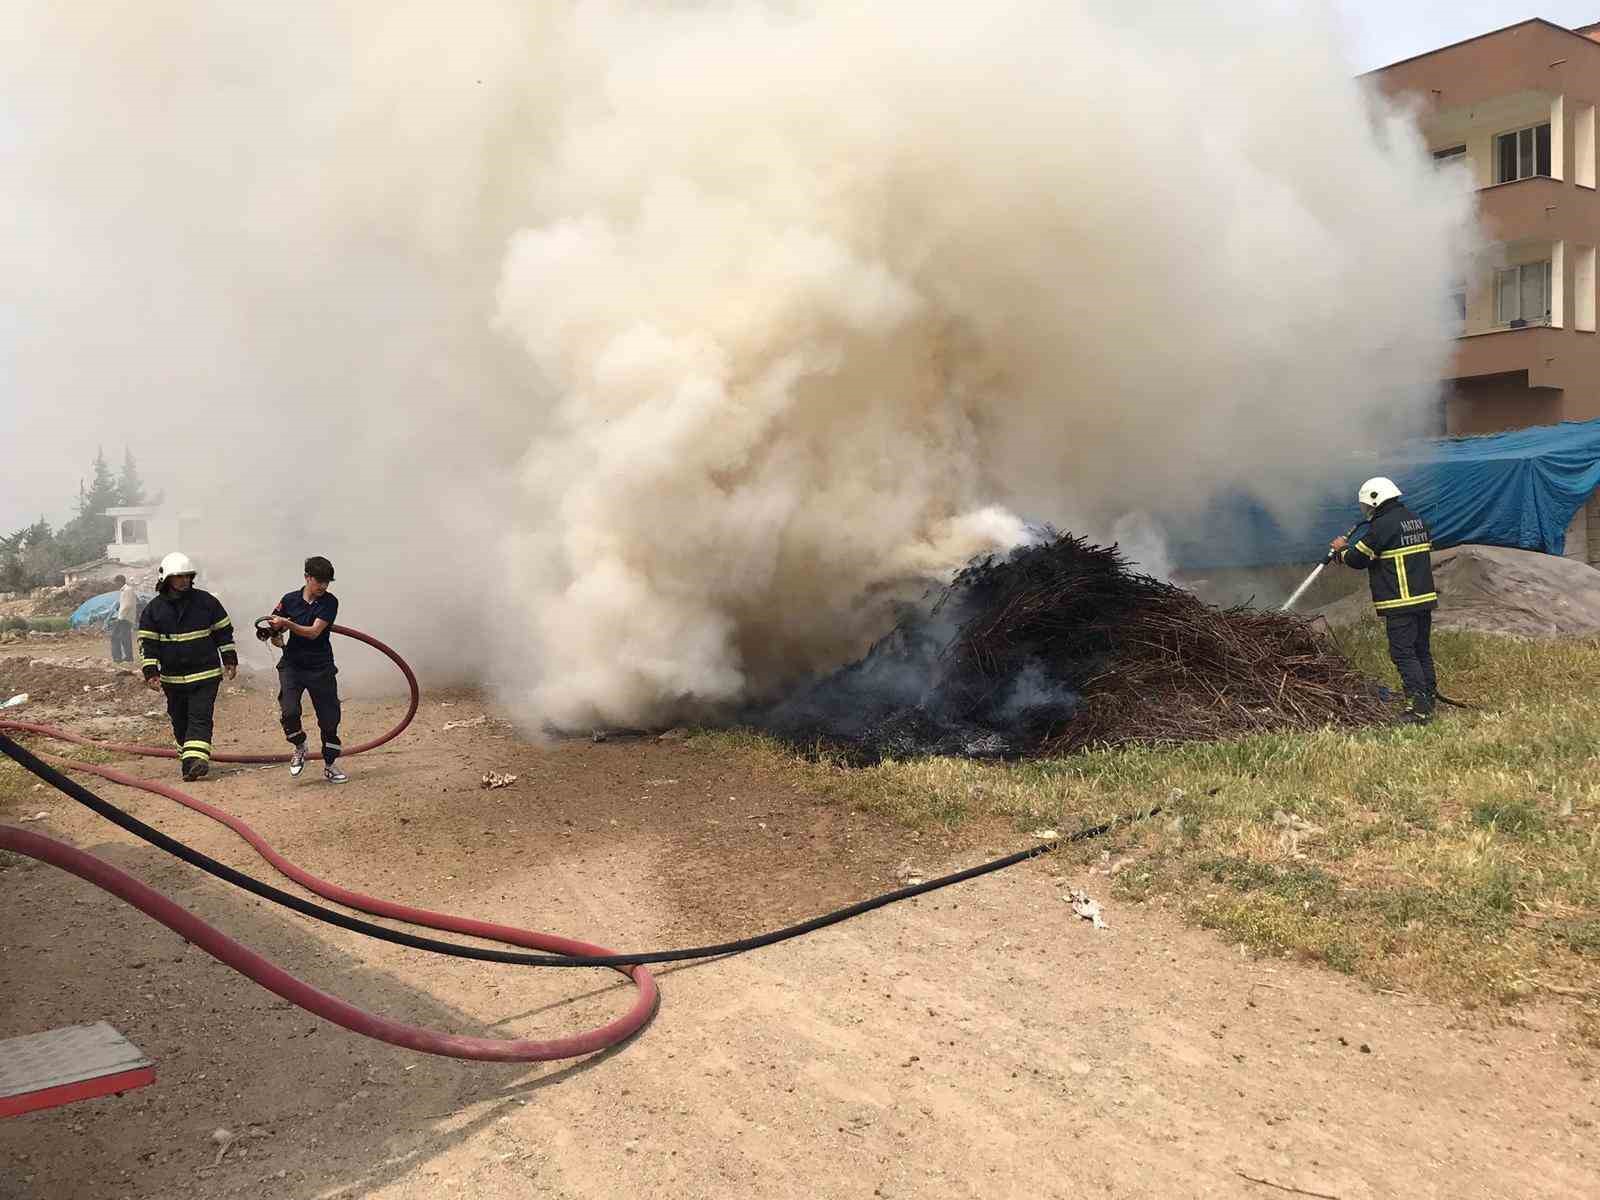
<point x="30" y="557"/>
<point x="13" y="576"/>
<point x="130" y="488"/>
<point x="102" y="493"/>
<point x="86" y="536"/>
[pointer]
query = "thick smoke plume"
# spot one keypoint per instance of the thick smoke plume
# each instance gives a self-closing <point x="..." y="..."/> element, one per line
<point x="632" y="357"/>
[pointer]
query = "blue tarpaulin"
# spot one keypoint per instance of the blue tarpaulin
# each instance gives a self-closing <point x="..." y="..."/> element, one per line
<point x="1518" y="489"/>
<point x="96" y="609"/>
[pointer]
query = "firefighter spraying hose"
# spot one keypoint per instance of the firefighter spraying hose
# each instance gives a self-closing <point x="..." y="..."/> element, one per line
<point x="1396" y="553"/>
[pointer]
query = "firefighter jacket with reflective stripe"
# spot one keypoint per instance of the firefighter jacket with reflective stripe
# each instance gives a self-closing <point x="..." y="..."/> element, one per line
<point x="1396" y="554"/>
<point x="186" y="638"/>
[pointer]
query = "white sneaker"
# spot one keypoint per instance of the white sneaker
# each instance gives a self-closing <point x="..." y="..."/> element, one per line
<point x="298" y="762"/>
<point x="333" y="775"/>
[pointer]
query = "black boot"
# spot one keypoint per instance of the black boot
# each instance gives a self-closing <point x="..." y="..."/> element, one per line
<point x="1417" y="711"/>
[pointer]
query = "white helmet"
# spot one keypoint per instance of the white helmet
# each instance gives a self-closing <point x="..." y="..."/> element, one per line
<point x="1375" y="491"/>
<point x="173" y="564"/>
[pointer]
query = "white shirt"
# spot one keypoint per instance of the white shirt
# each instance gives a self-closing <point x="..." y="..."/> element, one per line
<point x="128" y="603"/>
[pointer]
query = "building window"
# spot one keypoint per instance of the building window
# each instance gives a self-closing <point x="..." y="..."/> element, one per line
<point x="135" y="533"/>
<point x="1522" y="295"/>
<point x="1458" y="305"/>
<point x="1449" y="155"/>
<point x="1522" y="153"/>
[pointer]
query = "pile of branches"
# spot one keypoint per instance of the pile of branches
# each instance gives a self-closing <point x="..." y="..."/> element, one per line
<point x="1059" y="646"/>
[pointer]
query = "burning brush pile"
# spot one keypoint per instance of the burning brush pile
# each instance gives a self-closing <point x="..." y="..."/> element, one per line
<point x="1059" y="646"/>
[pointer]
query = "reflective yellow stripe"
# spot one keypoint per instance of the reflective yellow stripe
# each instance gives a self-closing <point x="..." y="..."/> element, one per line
<point x="195" y="746"/>
<point x="222" y="624"/>
<point x="206" y="754"/>
<point x="200" y="677"/>
<point x="179" y="637"/>
<point x="1405" y="601"/>
<point x="149" y="662"/>
<point x="1365" y="549"/>
<point x="227" y="648"/>
<point x="1426" y="546"/>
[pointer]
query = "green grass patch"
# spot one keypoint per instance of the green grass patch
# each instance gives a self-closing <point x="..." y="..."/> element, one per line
<point x="1460" y="861"/>
<point x="35" y="624"/>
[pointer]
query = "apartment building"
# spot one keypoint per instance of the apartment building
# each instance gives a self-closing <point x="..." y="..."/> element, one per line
<point x="1517" y="107"/>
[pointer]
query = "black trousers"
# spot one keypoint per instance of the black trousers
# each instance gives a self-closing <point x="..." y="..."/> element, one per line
<point x="121" y="640"/>
<point x="1409" y="635"/>
<point x="191" y="708"/>
<point x="295" y="682"/>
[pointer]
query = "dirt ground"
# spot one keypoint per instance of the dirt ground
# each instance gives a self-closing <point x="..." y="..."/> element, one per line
<point x="980" y="1041"/>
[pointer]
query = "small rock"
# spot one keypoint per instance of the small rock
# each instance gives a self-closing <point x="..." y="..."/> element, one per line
<point x="907" y="874"/>
<point x="1086" y="908"/>
<point x="673" y="735"/>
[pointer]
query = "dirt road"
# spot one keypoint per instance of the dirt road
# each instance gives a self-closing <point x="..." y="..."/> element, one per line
<point x="981" y="1041"/>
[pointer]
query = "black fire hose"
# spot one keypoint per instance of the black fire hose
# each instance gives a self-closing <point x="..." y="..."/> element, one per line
<point x="266" y="891"/>
<point x="567" y="952"/>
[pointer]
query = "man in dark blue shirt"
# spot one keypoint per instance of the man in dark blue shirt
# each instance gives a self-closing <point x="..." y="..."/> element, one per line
<point x="303" y="617"/>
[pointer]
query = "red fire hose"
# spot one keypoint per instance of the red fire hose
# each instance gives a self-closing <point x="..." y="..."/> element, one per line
<point x="62" y="735"/>
<point x="246" y="961"/>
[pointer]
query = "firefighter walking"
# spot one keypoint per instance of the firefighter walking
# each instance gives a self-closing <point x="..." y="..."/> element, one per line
<point x="300" y="624"/>
<point x="1396" y="554"/>
<point x="185" y="647"/>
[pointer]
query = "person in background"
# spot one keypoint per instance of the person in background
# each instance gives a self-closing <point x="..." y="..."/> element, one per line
<point x="123" y="617"/>
<point x="301" y="621"/>
<point x="186" y="645"/>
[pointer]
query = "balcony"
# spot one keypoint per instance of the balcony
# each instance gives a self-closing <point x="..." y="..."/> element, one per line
<point x="1534" y="349"/>
<point x="1527" y="208"/>
<point x="1539" y="208"/>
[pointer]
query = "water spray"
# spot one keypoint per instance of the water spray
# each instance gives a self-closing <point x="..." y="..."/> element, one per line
<point x="1317" y="570"/>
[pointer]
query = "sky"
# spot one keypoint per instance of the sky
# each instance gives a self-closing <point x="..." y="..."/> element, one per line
<point x="38" y="479"/>
<point x="1386" y="31"/>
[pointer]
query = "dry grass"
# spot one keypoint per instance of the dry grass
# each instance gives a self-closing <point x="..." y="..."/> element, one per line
<point x="1459" y="862"/>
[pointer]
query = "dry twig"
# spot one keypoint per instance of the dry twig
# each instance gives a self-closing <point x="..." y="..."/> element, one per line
<point x="1283" y="1187"/>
